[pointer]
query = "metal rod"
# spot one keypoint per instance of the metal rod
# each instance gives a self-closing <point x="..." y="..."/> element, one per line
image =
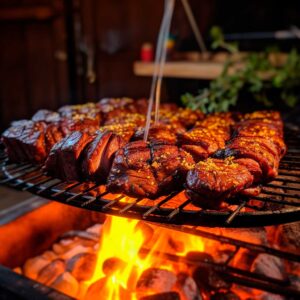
<point x="42" y="190"/>
<point x="239" y="243"/>
<point x="33" y="185"/>
<point x="127" y="207"/>
<point x="81" y="193"/>
<point x="282" y="187"/>
<point x="112" y="202"/>
<point x="177" y="210"/>
<point x="295" y="196"/>
<point x="194" y="25"/>
<point x="235" y="212"/>
<point x="93" y="199"/>
<point x="155" y="207"/>
<point x="66" y="190"/>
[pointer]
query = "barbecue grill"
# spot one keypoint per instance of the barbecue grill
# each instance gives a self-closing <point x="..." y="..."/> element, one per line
<point x="278" y="202"/>
<point x="30" y="288"/>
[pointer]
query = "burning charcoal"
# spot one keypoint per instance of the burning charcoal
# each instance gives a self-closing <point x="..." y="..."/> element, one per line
<point x="269" y="265"/>
<point x="187" y="287"/>
<point x="199" y="256"/>
<point x="225" y="296"/>
<point x="67" y="284"/>
<point x="209" y="279"/>
<point x="33" y="266"/>
<point x="147" y="230"/>
<point x="82" y="265"/>
<point x="269" y="296"/>
<point x="49" y="273"/>
<point x="243" y="259"/>
<point x="156" y="280"/>
<point x="81" y="234"/>
<point x="162" y="296"/>
<point x="76" y="250"/>
<point x="95" y="229"/>
<point x="112" y="264"/>
<point x="288" y="237"/>
<point x="256" y="235"/>
<point x="50" y="255"/>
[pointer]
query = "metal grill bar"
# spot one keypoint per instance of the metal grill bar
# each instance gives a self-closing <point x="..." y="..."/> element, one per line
<point x="172" y="209"/>
<point x="232" y="274"/>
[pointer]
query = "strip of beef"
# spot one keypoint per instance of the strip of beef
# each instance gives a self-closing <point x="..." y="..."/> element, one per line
<point x="158" y="134"/>
<point x="67" y="155"/>
<point x="212" y="181"/>
<point x="206" y="137"/>
<point x="259" y="128"/>
<point x="257" y="146"/>
<point x="125" y="131"/>
<point x="148" y="170"/>
<point x="113" y="107"/>
<point x="53" y="163"/>
<point x="45" y="115"/>
<point x="32" y="141"/>
<point x="88" y="110"/>
<point x="99" y="154"/>
<point x="259" y="149"/>
<point x="133" y="119"/>
<point x="10" y="138"/>
<point x="187" y="118"/>
<point x="53" y="134"/>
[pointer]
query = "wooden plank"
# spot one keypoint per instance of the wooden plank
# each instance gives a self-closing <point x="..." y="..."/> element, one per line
<point x="182" y="69"/>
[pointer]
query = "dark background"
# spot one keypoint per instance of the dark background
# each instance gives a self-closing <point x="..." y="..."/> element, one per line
<point x="57" y="52"/>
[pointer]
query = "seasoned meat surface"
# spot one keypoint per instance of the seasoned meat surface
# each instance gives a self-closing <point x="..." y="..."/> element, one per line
<point x="99" y="154"/>
<point x="208" y="136"/>
<point x="157" y="134"/>
<point x="214" y="180"/>
<point x="67" y="154"/>
<point x="148" y="170"/>
<point x="255" y="151"/>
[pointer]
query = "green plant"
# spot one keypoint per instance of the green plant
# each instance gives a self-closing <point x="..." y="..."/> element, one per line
<point x="257" y="75"/>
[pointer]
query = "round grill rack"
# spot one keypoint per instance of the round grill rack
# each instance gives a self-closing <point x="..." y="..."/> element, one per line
<point x="278" y="203"/>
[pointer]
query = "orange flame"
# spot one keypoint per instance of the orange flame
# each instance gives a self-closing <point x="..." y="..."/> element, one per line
<point x="120" y="262"/>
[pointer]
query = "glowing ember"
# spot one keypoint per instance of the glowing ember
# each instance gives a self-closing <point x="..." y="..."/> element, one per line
<point x="121" y="262"/>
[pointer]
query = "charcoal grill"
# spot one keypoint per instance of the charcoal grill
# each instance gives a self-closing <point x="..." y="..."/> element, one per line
<point x="278" y="202"/>
<point x="30" y="289"/>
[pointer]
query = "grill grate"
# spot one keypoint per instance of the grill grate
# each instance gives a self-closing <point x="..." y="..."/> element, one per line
<point x="277" y="203"/>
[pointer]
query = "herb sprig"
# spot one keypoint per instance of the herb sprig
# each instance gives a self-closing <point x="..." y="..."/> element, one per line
<point x="257" y="75"/>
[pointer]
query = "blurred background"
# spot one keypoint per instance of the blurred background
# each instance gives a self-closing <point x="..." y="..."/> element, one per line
<point x="55" y="52"/>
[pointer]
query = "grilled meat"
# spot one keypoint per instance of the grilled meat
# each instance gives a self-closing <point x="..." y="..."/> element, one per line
<point x="207" y="136"/>
<point x="257" y="146"/>
<point x="114" y="107"/>
<point x="99" y="154"/>
<point x="214" y="180"/>
<point x="67" y="155"/>
<point x="147" y="170"/>
<point x="158" y="134"/>
<point x="260" y="150"/>
<point x="12" y="142"/>
<point x="45" y="115"/>
<point x="134" y="119"/>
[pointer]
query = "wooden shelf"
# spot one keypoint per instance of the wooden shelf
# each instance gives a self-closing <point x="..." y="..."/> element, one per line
<point x="182" y="69"/>
<point x="200" y="68"/>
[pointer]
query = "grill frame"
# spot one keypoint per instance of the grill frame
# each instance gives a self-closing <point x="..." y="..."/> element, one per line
<point x="29" y="177"/>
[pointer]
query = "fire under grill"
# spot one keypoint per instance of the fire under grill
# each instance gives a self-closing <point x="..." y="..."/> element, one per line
<point x="277" y="203"/>
<point x="229" y="272"/>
